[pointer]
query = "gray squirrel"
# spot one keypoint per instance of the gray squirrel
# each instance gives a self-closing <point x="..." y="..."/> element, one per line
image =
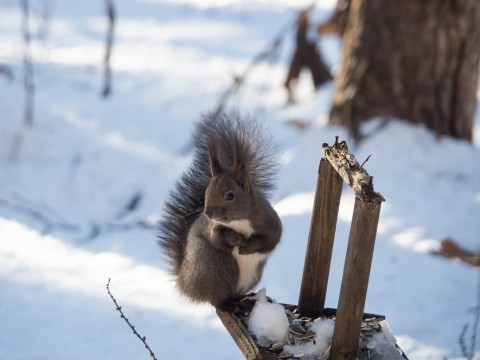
<point x="218" y="227"/>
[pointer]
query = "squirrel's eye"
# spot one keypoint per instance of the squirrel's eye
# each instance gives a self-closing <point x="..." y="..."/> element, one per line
<point x="229" y="196"/>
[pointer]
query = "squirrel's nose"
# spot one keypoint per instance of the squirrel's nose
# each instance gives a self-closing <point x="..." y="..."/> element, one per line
<point x="214" y="212"/>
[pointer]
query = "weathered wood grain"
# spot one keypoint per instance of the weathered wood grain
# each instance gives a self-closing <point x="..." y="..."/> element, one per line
<point x="356" y="274"/>
<point x="320" y="240"/>
<point x="351" y="171"/>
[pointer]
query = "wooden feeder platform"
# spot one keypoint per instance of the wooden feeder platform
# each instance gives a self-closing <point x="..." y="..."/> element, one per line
<point x="357" y="335"/>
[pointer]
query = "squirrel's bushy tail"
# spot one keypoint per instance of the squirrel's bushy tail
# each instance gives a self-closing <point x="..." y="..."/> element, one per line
<point x="230" y="133"/>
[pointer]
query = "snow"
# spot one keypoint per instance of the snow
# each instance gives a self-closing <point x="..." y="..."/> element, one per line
<point x="268" y="322"/>
<point x="85" y="157"/>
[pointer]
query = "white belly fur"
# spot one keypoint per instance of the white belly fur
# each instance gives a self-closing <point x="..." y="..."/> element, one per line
<point x="247" y="265"/>
<point x="243" y="227"/>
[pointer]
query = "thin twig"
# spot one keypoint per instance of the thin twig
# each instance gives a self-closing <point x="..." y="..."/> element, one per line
<point x="27" y="65"/>
<point x="49" y="225"/>
<point x="475" y="324"/>
<point x="264" y="55"/>
<point x="368" y="158"/>
<point x="463" y="343"/>
<point x="119" y="309"/>
<point x="38" y="216"/>
<point x="97" y="229"/>
<point x="107" y="86"/>
<point x="45" y="14"/>
<point x="469" y="353"/>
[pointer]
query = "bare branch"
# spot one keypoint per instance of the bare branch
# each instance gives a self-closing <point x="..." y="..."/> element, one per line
<point x="119" y="309"/>
<point x="107" y="85"/>
<point x="95" y="229"/>
<point x="48" y="224"/>
<point x="473" y="339"/>
<point x="27" y="65"/>
<point x="469" y="352"/>
<point x="267" y="53"/>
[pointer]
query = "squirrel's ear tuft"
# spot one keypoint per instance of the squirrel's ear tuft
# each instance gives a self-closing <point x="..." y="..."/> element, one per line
<point x="215" y="168"/>
<point x="240" y="171"/>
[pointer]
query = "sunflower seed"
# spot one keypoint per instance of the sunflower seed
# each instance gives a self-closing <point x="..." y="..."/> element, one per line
<point x="296" y="328"/>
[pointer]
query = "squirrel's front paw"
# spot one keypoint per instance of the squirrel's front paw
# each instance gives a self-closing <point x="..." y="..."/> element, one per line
<point x="251" y="246"/>
<point x="234" y="238"/>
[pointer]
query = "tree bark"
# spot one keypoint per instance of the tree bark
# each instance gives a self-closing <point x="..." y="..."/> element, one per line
<point x="410" y="59"/>
<point x="337" y="22"/>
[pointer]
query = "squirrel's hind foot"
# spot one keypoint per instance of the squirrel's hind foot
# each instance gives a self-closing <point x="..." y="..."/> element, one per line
<point x="238" y="305"/>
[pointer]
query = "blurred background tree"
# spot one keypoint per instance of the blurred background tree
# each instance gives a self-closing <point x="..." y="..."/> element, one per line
<point x="414" y="60"/>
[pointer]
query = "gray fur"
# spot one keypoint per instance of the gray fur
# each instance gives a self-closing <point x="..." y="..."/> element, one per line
<point x="217" y="246"/>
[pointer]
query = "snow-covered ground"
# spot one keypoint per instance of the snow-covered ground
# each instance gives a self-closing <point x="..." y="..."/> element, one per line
<point x="86" y="157"/>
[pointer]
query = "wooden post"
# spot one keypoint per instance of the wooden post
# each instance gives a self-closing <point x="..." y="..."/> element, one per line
<point x="339" y="165"/>
<point x="320" y="241"/>
<point x="355" y="280"/>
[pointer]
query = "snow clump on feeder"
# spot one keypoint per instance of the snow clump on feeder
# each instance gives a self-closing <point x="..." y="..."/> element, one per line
<point x="319" y="346"/>
<point x="268" y="321"/>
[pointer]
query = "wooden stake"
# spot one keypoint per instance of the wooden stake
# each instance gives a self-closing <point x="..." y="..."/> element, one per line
<point x="320" y="241"/>
<point x="356" y="273"/>
<point x="242" y="337"/>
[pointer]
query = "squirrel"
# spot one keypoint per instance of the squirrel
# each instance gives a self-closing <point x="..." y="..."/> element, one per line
<point x="218" y="227"/>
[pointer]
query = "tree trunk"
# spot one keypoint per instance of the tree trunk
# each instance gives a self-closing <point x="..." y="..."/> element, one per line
<point x="410" y="59"/>
<point x="337" y="22"/>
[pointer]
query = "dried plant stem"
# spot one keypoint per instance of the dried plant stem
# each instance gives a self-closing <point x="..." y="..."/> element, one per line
<point x="107" y="85"/>
<point x="268" y="52"/>
<point x="475" y="324"/>
<point x="469" y="353"/>
<point x="27" y="65"/>
<point x="119" y="309"/>
<point x="50" y="224"/>
<point x="461" y="340"/>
